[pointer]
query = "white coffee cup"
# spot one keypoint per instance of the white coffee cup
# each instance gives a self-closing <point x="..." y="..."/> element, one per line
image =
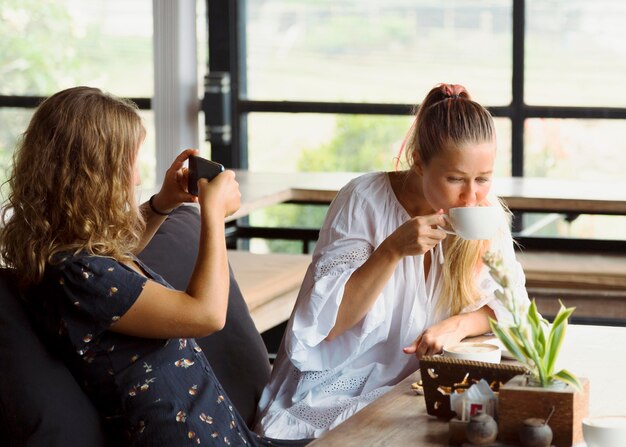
<point x="605" y="431"/>
<point x="478" y="352"/>
<point x="474" y="222"/>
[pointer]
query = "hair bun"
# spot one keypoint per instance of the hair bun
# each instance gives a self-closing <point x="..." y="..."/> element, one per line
<point x="453" y="90"/>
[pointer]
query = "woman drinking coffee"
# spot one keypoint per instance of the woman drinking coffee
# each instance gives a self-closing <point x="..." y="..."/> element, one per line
<point x="387" y="285"/>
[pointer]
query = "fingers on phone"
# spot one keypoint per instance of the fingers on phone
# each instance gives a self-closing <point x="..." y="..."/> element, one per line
<point x="184" y="155"/>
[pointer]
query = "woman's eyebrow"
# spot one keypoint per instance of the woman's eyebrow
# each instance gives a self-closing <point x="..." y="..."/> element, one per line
<point x="458" y="171"/>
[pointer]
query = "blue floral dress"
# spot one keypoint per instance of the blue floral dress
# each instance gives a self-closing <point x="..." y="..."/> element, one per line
<point x="148" y="391"/>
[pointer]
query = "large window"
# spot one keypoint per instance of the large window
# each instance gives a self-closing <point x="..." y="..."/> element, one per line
<point x="575" y="54"/>
<point x="366" y="52"/>
<point x="329" y="85"/>
<point x="574" y="58"/>
<point x="49" y="45"/>
<point x="374" y="51"/>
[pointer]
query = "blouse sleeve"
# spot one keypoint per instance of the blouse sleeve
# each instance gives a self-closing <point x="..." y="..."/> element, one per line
<point x="98" y="291"/>
<point x="346" y="242"/>
<point x="503" y="243"/>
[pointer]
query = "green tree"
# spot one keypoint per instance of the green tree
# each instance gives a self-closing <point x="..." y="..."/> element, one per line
<point x="44" y="48"/>
<point x="362" y="143"/>
<point x="34" y="60"/>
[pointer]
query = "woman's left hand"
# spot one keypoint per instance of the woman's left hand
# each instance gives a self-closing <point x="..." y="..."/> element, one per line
<point x="450" y="332"/>
<point x="433" y="339"/>
<point x="174" y="188"/>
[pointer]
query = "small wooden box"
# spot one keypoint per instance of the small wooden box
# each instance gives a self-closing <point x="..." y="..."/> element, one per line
<point x="518" y="402"/>
<point x="439" y="373"/>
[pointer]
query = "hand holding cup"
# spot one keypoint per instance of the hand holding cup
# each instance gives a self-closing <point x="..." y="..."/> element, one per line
<point x="474" y="222"/>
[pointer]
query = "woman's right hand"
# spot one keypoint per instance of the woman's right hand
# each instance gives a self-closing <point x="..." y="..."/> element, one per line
<point x="417" y="235"/>
<point x="220" y="195"/>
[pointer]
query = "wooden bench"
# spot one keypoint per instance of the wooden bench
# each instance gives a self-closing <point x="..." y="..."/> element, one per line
<point x="595" y="283"/>
<point x="269" y="283"/>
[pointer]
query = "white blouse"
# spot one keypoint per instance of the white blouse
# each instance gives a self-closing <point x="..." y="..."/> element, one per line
<point x="317" y="384"/>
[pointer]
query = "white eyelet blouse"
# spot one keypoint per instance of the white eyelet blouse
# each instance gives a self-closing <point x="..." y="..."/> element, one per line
<point x="317" y="384"/>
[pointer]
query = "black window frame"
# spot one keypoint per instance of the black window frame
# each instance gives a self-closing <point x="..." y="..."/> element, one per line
<point x="226" y="21"/>
<point x="227" y="53"/>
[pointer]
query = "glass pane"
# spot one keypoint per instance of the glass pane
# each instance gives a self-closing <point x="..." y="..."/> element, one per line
<point x="147" y="154"/>
<point x="585" y="226"/>
<point x="352" y="143"/>
<point x="575" y="149"/>
<point x="575" y="53"/>
<point x="375" y="51"/>
<point x="286" y="215"/>
<point x="15" y="121"/>
<point x="282" y="142"/>
<point x="503" y="156"/>
<point x="48" y="46"/>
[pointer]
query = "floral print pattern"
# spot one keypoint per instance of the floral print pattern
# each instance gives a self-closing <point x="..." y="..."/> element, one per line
<point x="149" y="392"/>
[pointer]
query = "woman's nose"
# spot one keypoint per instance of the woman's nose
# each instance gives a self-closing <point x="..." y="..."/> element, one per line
<point x="468" y="196"/>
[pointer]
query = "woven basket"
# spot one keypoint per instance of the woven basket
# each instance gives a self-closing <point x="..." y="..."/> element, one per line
<point x="442" y="376"/>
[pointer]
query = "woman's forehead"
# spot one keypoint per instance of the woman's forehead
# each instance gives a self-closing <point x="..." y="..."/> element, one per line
<point x="472" y="155"/>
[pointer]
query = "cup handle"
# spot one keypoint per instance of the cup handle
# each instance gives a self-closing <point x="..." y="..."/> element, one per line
<point x="447" y="219"/>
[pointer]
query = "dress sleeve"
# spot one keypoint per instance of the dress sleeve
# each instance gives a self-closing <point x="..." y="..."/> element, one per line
<point x="346" y="242"/>
<point x="98" y="291"/>
<point x="503" y="243"/>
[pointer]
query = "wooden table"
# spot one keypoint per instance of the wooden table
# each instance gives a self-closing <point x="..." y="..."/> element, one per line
<point x="262" y="189"/>
<point x="399" y="417"/>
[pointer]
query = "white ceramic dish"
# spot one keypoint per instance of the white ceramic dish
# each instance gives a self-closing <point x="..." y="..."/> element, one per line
<point x="605" y="431"/>
<point x="479" y="352"/>
<point x="506" y="355"/>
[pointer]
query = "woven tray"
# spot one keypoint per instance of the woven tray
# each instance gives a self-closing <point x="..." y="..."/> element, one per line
<point x="442" y="376"/>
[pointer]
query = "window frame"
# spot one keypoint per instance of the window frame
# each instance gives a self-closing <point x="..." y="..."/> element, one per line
<point x="226" y="20"/>
<point x="227" y="53"/>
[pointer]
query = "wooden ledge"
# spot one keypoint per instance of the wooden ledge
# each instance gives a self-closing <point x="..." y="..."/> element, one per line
<point x="269" y="284"/>
<point x="545" y="269"/>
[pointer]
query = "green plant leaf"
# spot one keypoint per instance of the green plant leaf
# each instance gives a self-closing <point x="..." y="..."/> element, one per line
<point x="508" y="342"/>
<point x="533" y="314"/>
<point x="514" y="334"/>
<point x="563" y="314"/>
<point x="556" y="336"/>
<point x="569" y="378"/>
<point x="529" y="347"/>
<point x="526" y="342"/>
<point x="538" y="335"/>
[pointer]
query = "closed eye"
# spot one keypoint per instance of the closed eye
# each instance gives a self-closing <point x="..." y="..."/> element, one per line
<point x="455" y="179"/>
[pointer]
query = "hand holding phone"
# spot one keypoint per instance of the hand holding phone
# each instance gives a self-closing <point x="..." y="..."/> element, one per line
<point x="201" y="168"/>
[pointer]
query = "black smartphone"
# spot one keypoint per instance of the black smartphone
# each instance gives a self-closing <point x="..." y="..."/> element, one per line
<point x="201" y="168"/>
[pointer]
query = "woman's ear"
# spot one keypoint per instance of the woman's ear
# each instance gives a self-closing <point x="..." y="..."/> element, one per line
<point x="417" y="164"/>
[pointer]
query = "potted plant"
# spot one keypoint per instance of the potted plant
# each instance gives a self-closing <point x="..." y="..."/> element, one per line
<point x="536" y="343"/>
<point x="531" y="339"/>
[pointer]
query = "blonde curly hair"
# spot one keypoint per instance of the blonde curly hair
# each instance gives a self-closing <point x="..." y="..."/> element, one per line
<point x="71" y="186"/>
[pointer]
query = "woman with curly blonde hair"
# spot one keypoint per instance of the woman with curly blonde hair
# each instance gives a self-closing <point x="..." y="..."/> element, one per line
<point x="387" y="285"/>
<point x="71" y="230"/>
<point x="71" y="184"/>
